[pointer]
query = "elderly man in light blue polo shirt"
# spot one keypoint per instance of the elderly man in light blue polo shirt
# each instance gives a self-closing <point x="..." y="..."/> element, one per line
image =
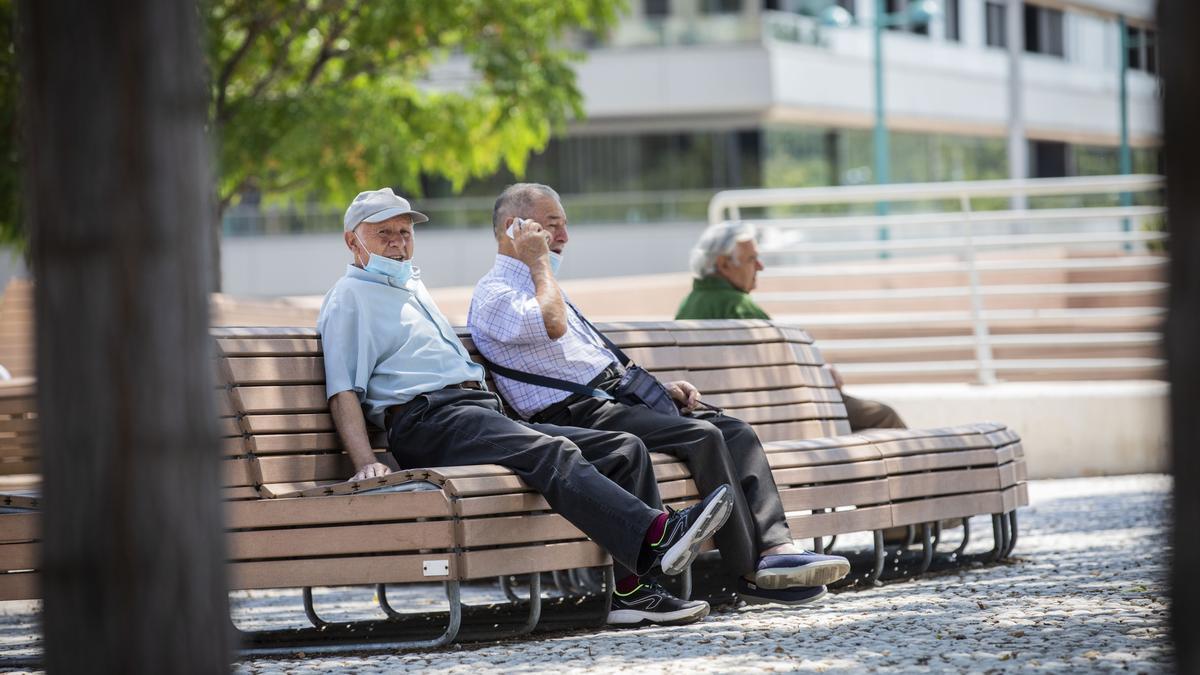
<point x="392" y="359"/>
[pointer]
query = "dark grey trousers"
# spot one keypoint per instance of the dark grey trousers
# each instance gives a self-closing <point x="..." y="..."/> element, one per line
<point x="602" y="482"/>
<point x="717" y="449"/>
<point x="866" y="414"/>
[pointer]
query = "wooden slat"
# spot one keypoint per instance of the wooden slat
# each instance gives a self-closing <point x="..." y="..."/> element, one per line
<point x="523" y="529"/>
<point x="808" y="525"/>
<point x="19" y="527"/>
<point x="19" y="586"/>
<point x="941" y="460"/>
<point x="284" y="424"/>
<point x="661" y="358"/>
<point x="685" y="336"/>
<point x="547" y="558"/>
<point x="809" y="429"/>
<point x="371" y="569"/>
<point x="789" y="413"/>
<point x="358" y="508"/>
<point x="295" y="468"/>
<point x="765" y="377"/>
<point x="268" y="444"/>
<point x="759" y="354"/>
<point x="859" y="493"/>
<point x="287" y="398"/>
<point x="341" y="540"/>
<point x="19" y="556"/>
<point x="252" y="370"/>
<point x="828" y="474"/>
<point x="293" y="346"/>
<point x="939" y="508"/>
<point x="743" y="399"/>
<point x="237" y="472"/>
<point x="522" y="502"/>
<point x="915" y="485"/>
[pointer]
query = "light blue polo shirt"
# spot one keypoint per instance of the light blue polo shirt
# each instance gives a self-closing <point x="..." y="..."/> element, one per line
<point x="388" y="343"/>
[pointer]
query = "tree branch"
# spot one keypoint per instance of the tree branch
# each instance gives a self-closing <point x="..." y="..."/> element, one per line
<point x="227" y="69"/>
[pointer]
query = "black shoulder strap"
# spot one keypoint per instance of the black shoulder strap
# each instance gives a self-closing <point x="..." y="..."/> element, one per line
<point x="604" y="338"/>
<point x="543" y="381"/>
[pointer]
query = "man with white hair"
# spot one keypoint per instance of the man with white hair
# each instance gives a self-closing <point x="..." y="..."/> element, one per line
<point x="392" y="359"/>
<point x="554" y="367"/>
<point x="725" y="269"/>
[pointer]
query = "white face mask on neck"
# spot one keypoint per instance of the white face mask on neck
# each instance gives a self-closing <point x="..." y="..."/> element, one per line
<point x="400" y="270"/>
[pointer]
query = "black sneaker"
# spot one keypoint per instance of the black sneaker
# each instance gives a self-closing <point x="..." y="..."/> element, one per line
<point x="651" y="603"/>
<point x="687" y="529"/>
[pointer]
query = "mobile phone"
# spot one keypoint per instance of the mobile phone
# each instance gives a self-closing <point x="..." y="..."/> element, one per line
<point x="517" y="222"/>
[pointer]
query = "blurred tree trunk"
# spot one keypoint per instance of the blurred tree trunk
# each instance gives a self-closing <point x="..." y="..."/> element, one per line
<point x="120" y="202"/>
<point x="1179" y="56"/>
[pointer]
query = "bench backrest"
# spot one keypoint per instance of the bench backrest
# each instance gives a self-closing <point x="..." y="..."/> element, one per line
<point x="274" y="383"/>
<point x="16" y="328"/>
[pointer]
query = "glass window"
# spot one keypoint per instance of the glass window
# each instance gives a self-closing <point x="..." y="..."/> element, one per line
<point x="1149" y="42"/>
<point x="1044" y="30"/>
<point x="895" y="10"/>
<point x="950" y="9"/>
<point x="721" y="6"/>
<point x="996" y="26"/>
<point x="1133" y="51"/>
<point x="1048" y="159"/>
<point x="656" y="8"/>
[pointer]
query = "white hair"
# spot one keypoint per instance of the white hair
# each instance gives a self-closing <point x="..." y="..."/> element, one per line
<point x="716" y="241"/>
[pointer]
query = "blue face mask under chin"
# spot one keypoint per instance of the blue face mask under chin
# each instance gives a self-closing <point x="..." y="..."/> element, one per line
<point x="555" y="262"/>
<point x="400" y="270"/>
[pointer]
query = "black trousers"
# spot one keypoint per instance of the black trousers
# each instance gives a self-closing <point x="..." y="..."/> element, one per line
<point x="602" y="482"/>
<point x="717" y="449"/>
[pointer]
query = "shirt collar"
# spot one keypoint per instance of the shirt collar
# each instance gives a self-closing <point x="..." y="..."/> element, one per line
<point x="715" y="282"/>
<point x="515" y="272"/>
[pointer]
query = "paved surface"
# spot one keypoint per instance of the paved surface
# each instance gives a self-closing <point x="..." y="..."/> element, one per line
<point x="1085" y="592"/>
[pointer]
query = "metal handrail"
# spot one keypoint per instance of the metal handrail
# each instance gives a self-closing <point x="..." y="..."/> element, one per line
<point x="964" y="230"/>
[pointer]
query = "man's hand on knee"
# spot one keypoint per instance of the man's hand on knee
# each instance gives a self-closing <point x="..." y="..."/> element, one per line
<point x="685" y="395"/>
<point x="372" y="470"/>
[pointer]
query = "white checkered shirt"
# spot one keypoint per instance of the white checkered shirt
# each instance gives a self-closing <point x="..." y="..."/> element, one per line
<point x="507" y="327"/>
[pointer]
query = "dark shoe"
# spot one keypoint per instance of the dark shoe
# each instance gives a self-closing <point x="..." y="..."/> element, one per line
<point x="687" y="529"/>
<point x="651" y="603"/>
<point x="754" y="594"/>
<point x="800" y="570"/>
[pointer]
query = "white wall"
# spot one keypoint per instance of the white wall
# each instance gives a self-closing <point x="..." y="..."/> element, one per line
<point x="1067" y="428"/>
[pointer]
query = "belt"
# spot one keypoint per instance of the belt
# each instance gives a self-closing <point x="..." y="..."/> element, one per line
<point x="392" y="411"/>
<point x="605" y="381"/>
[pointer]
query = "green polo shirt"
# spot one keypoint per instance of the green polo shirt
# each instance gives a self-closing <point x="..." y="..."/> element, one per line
<point x="715" y="298"/>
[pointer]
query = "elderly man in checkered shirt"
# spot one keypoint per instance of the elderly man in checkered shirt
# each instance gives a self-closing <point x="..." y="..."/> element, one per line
<point x="522" y="321"/>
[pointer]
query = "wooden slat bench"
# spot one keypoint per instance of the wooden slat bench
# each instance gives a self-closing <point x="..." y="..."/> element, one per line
<point x="295" y="522"/>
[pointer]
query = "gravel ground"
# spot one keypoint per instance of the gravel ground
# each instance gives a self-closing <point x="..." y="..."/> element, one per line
<point x="1085" y="591"/>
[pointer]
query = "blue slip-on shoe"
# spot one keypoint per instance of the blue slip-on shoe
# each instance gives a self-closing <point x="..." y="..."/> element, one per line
<point x="800" y="570"/>
<point x="687" y="529"/>
<point x="754" y="594"/>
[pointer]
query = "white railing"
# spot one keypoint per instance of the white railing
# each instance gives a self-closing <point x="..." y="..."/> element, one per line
<point x="992" y="240"/>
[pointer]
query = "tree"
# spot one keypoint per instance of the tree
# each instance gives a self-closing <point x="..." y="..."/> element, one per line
<point x="119" y="201"/>
<point x="319" y="99"/>
<point x="1181" y="108"/>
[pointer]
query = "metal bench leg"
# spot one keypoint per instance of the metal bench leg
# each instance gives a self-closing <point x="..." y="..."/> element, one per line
<point x="937" y="535"/>
<point x="1006" y="536"/>
<point x="966" y="538"/>
<point x="926" y="548"/>
<point x="818" y="544"/>
<point x="997" y="539"/>
<point x="610" y="584"/>
<point x="1012" y="537"/>
<point x="506" y="583"/>
<point x="685" y="584"/>
<point x="880" y="558"/>
<point x="910" y="536"/>
<point x="311" y="611"/>
<point x="531" y="620"/>
<point x="829" y="546"/>
<point x="562" y="584"/>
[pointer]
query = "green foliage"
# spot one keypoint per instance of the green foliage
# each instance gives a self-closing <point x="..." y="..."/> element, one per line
<point x="319" y="99"/>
